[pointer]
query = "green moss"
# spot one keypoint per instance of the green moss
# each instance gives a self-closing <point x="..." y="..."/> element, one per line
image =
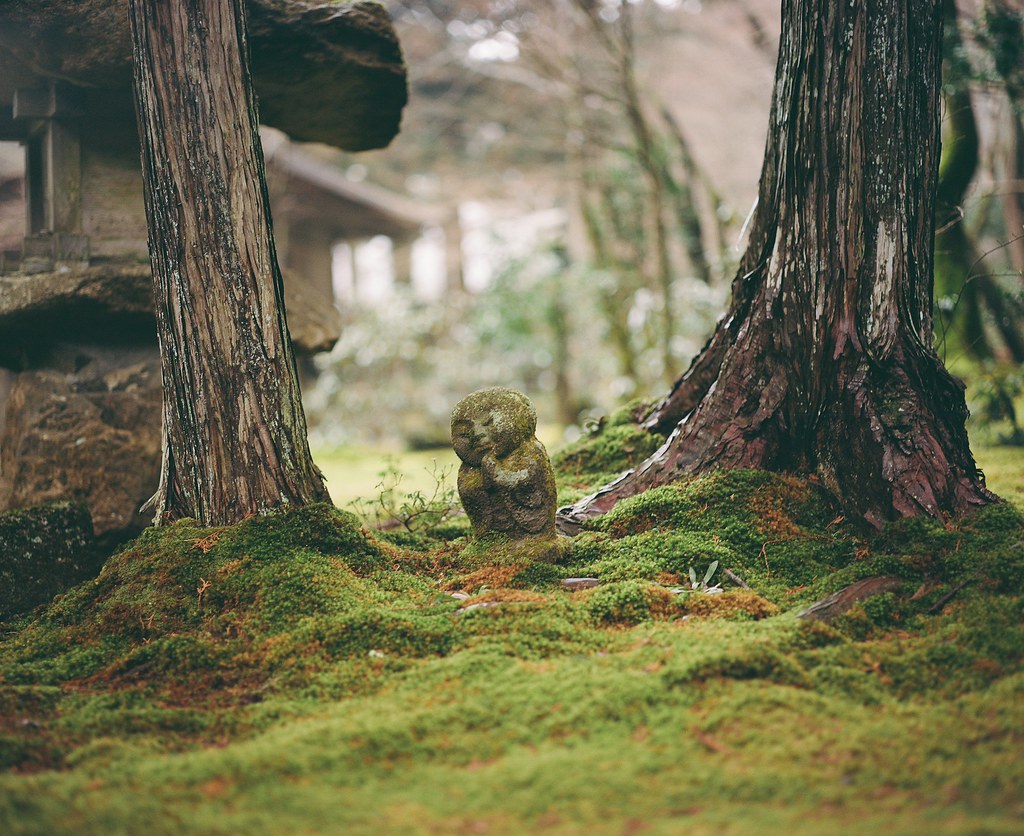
<point x="213" y="610"/>
<point x="367" y="632"/>
<point x="978" y="645"/>
<point x="298" y="673"/>
<point x="499" y="550"/>
<point x="776" y="532"/>
<point x="604" y="454"/>
<point x="429" y="539"/>
<point x="323" y="528"/>
<point x="622" y="602"/>
<point x="27" y="753"/>
<point x="988" y="547"/>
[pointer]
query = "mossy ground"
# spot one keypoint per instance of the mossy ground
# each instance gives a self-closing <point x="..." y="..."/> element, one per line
<point x="297" y="673"/>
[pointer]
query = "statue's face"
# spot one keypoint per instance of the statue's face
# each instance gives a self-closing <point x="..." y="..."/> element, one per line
<point x="507" y="433"/>
<point x="472" y="436"/>
<point x="491" y="421"/>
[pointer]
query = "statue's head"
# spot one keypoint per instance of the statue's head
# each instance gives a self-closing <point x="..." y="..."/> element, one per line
<point x="495" y="420"/>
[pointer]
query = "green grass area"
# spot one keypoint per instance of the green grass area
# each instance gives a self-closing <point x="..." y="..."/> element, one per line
<point x="360" y="474"/>
<point x="356" y="476"/>
<point x="1004" y="471"/>
<point x="298" y="673"/>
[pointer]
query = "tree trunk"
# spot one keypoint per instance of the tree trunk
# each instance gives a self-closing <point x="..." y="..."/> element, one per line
<point x="824" y="363"/>
<point x="234" y="433"/>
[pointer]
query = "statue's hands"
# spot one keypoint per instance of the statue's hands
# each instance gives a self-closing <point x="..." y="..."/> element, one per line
<point x="489" y="468"/>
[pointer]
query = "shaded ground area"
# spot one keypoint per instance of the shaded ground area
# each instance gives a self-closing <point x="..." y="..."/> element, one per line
<point x="298" y="672"/>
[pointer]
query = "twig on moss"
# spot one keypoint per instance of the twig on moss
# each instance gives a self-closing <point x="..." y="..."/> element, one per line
<point x="736" y="579"/>
<point x="203" y="586"/>
<point x="945" y="599"/>
<point x="204" y="544"/>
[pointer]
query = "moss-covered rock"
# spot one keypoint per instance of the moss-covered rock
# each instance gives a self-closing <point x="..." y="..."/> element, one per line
<point x="613" y="445"/>
<point x="44" y="550"/>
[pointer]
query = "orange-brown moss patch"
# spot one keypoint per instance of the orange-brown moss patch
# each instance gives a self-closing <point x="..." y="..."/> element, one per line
<point x="728" y="605"/>
<point x="508" y="596"/>
<point x="492" y="577"/>
<point x="773" y="505"/>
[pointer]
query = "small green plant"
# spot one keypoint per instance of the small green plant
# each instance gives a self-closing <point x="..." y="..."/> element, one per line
<point x="417" y="512"/>
<point x="703" y="585"/>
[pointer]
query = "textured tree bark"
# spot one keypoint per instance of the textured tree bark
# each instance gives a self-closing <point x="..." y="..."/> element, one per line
<point x="234" y="433"/>
<point x="824" y="362"/>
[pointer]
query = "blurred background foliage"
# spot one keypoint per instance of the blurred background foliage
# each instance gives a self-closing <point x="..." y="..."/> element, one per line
<point x="602" y="157"/>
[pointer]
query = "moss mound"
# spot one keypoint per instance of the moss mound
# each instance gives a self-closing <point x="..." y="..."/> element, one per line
<point x="616" y="443"/>
<point x="775" y="532"/>
<point x="213" y="611"/>
<point x="247" y="678"/>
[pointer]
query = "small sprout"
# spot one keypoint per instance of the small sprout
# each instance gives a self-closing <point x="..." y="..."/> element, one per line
<point x="704" y="585"/>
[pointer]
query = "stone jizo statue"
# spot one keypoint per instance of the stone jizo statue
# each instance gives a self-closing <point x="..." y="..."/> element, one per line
<point x="505" y="481"/>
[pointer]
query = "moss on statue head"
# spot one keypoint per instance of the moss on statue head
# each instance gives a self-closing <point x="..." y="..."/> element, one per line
<point x="498" y="418"/>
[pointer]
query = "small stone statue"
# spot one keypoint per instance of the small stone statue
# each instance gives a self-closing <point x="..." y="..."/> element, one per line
<point x="505" y="481"/>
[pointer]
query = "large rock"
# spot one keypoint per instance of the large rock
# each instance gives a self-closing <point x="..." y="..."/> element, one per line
<point x="88" y="305"/>
<point x="43" y="551"/>
<point x="85" y="429"/>
<point x="323" y="71"/>
<point x="328" y="72"/>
